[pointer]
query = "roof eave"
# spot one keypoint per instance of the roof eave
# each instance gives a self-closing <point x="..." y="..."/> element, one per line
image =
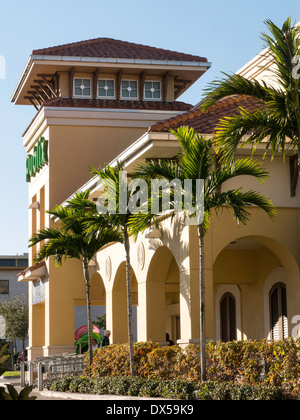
<point x="22" y="80"/>
<point x="199" y="63"/>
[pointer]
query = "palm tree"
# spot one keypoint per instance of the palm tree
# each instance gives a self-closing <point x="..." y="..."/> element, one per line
<point x="70" y="240"/>
<point x="277" y="118"/>
<point x="115" y="208"/>
<point x="197" y="162"/>
<point x="117" y="216"/>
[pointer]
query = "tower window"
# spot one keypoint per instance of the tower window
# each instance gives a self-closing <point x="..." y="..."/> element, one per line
<point x="129" y="89"/>
<point x="152" y="90"/>
<point x="82" y="87"/>
<point x="106" y="88"/>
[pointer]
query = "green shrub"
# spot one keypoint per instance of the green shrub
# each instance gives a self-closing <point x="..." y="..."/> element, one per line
<point x="231" y="391"/>
<point x="114" y="360"/>
<point x="62" y="385"/>
<point x="175" y="389"/>
<point x="149" y="388"/>
<point x="261" y="361"/>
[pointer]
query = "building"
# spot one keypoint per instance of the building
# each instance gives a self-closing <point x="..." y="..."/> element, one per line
<point x="10" y="267"/>
<point x="104" y="100"/>
<point x="94" y="99"/>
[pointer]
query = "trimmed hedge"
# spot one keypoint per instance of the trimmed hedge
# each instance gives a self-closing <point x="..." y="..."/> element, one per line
<point x="259" y="361"/>
<point x="176" y="389"/>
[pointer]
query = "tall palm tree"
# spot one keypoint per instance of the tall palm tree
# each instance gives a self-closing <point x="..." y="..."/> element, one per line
<point x="70" y="240"/>
<point x="118" y="216"/>
<point x="277" y="118"/>
<point x="196" y="162"/>
<point x="115" y="208"/>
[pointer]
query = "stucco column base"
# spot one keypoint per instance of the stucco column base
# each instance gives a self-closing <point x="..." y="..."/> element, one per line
<point x="195" y="341"/>
<point x="50" y="350"/>
<point x="34" y="352"/>
<point x="184" y="342"/>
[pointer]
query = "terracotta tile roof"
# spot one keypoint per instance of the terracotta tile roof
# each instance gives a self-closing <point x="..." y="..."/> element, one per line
<point x="112" y="48"/>
<point x="117" y="104"/>
<point x="205" y="122"/>
<point x="32" y="268"/>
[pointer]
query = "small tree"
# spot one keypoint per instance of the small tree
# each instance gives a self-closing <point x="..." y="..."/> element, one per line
<point x="15" y="313"/>
<point x="101" y="322"/>
<point x="115" y="207"/>
<point x="111" y="177"/>
<point x="71" y="241"/>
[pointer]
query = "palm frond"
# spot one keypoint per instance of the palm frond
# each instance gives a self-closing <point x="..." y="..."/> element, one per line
<point x="240" y="202"/>
<point x="232" y="85"/>
<point x="241" y="167"/>
<point x="252" y="128"/>
<point x="196" y="158"/>
<point x="278" y="121"/>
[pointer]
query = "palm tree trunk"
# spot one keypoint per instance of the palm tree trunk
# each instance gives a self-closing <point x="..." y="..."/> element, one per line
<point x="23" y="348"/>
<point x="129" y="307"/>
<point x="202" y="307"/>
<point x="88" y="304"/>
<point x="298" y="156"/>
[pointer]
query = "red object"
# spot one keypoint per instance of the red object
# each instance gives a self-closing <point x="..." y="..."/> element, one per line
<point x="82" y="330"/>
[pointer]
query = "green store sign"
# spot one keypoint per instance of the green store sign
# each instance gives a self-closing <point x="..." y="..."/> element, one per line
<point x="38" y="159"/>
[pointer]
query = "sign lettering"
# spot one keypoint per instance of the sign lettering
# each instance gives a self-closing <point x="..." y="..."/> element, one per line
<point x="36" y="161"/>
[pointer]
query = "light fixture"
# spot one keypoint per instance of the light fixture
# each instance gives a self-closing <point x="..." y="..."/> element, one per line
<point x="35" y="205"/>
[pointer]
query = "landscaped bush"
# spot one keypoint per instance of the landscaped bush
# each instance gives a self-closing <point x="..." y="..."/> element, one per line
<point x="175" y="389"/>
<point x="232" y="391"/>
<point x="259" y="361"/>
<point x="272" y="370"/>
<point x="114" y="360"/>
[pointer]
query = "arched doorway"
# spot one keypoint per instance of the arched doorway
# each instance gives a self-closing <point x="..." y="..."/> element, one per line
<point x="98" y="302"/>
<point x="163" y="297"/>
<point x="119" y="327"/>
<point x="262" y="278"/>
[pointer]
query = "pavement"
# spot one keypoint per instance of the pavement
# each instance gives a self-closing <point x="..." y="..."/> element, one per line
<point x="66" y="396"/>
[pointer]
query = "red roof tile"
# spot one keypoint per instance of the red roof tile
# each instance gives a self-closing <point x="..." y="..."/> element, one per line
<point x="117" y="104"/>
<point x="112" y="48"/>
<point x="32" y="268"/>
<point x="205" y="122"/>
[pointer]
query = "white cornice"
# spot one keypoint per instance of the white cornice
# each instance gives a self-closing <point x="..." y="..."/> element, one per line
<point x="91" y="117"/>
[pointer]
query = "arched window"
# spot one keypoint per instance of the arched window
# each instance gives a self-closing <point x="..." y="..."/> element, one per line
<point x="228" y="317"/>
<point x="278" y="312"/>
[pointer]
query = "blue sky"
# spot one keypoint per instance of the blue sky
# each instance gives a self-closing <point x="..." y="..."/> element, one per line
<point x="226" y="32"/>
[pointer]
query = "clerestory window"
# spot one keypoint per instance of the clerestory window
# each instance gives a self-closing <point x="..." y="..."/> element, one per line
<point x="82" y="87"/>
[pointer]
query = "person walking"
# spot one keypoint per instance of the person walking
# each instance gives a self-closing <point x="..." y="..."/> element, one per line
<point x="105" y="340"/>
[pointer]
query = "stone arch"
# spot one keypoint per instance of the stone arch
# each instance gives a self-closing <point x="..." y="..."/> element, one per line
<point x="97" y="290"/>
<point x="97" y="298"/>
<point x="119" y="321"/>
<point x="252" y="264"/>
<point x="163" y="296"/>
